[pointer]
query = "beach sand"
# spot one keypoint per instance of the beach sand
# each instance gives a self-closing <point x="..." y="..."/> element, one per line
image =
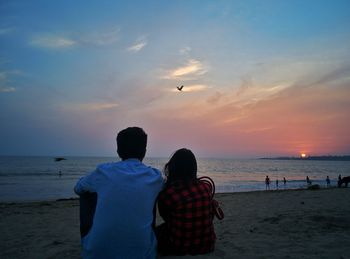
<point x="267" y="224"/>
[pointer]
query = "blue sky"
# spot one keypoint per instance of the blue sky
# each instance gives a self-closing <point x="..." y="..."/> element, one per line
<point x="261" y="77"/>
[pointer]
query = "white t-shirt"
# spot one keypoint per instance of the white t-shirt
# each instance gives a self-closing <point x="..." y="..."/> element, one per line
<point x="122" y="225"/>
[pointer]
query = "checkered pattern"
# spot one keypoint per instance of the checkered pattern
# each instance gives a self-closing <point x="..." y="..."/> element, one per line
<point x="188" y="214"/>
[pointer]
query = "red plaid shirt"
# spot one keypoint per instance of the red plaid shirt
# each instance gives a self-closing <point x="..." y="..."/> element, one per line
<point x="188" y="215"/>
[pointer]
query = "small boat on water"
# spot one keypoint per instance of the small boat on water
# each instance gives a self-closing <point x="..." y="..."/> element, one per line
<point x="57" y="159"/>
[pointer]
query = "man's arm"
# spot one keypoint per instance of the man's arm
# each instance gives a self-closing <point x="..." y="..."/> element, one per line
<point x="164" y="206"/>
<point x="87" y="183"/>
<point x="88" y="202"/>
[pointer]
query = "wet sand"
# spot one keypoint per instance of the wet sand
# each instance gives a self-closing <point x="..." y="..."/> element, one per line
<point x="266" y="224"/>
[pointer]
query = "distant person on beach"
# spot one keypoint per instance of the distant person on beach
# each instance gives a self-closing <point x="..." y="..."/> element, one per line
<point x="308" y="180"/>
<point x="344" y="180"/>
<point x="284" y="181"/>
<point x="186" y="207"/>
<point x="123" y="223"/>
<point x="328" y="181"/>
<point x="267" y="182"/>
<point x="277" y="184"/>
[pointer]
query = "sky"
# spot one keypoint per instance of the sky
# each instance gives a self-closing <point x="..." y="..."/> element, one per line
<point x="261" y="78"/>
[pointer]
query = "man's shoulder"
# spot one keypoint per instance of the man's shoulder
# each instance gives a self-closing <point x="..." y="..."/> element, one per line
<point x="107" y="165"/>
<point x="152" y="168"/>
<point x="126" y="165"/>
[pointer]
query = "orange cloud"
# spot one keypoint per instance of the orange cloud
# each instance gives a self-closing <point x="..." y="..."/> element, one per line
<point x="311" y="118"/>
<point x="192" y="68"/>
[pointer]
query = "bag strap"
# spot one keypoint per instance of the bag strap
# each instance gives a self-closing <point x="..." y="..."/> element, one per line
<point x="209" y="182"/>
<point x="218" y="212"/>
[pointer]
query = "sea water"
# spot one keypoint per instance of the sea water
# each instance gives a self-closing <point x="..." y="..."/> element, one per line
<point x="42" y="178"/>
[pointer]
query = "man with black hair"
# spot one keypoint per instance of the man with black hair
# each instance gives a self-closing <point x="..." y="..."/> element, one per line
<point x="126" y="194"/>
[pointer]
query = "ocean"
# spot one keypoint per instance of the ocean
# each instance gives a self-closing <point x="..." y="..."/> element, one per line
<point x="24" y="178"/>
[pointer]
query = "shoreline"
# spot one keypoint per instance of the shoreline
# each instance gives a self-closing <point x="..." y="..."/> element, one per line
<point x="216" y="193"/>
<point x="261" y="224"/>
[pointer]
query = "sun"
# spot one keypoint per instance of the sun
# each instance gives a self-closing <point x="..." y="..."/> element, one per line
<point x="302" y="155"/>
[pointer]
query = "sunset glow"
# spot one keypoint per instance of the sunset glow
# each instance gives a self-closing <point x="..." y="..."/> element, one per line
<point x="260" y="78"/>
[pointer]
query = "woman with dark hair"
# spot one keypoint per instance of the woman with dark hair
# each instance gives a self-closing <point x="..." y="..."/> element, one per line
<point x="185" y="204"/>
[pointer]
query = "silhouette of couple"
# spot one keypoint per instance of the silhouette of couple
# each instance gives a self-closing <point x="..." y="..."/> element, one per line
<point x="118" y="205"/>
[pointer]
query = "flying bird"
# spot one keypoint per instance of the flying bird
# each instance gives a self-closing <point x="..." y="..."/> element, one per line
<point x="180" y="88"/>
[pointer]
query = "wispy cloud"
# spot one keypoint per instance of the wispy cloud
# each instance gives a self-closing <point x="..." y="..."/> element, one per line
<point x="93" y="106"/>
<point x="100" y="38"/>
<point x="250" y="93"/>
<point x="255" y="130"/>
<point x="57" y="41"/>
<point x="5" y="82"/>
<point x="282" y="117"/>
<point x="7" y="89"/>
<point x="300" y="98"/>
<point x="6" y="30"/>
<point x="53" y="42"/>
<point x="138" y="45"/>
<point x="215" y="98"/>
<point x="193" y="67"/>
<point x="185" y="50"/>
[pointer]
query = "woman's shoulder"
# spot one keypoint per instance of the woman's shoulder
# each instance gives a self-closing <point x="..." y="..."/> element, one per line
<point x="179" y="187"/>
<point x="175" y="187"/>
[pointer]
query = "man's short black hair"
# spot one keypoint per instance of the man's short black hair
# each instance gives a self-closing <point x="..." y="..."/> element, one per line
<point x="131" y="143"/>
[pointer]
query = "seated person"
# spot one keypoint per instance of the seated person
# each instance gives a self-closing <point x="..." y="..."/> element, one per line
<point x="185" y="204"/>
<point x="126" y="192"/>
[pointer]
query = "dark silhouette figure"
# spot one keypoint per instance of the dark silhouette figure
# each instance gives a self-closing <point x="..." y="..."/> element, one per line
<point x="345" y="180"/>
<point x="284" y="181"/>
<point x="277" y="184"/>
<point x="187" y="206"/>
<point x="57" y="159"/>
<point x="180" y="88"/>
<point x="112" y="194"/>
<point x="267" y="182"/>
<point x="328" y="181"/>
<point x="308" y="180"/>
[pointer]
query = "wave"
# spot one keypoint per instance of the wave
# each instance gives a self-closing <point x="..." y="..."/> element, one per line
<point x="32" y="174"/>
